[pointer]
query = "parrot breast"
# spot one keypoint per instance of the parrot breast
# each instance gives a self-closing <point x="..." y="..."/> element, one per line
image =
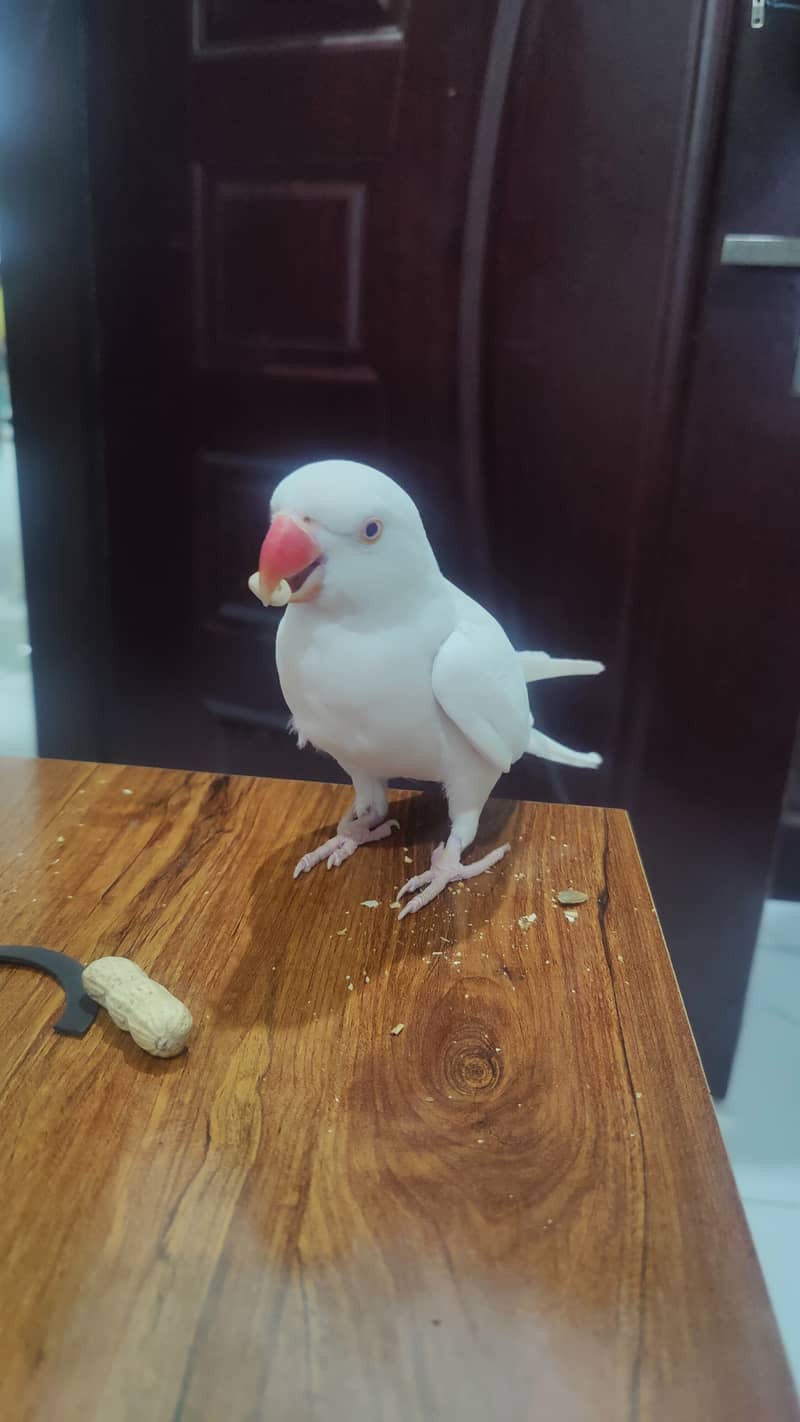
<point x="367" y="700"/>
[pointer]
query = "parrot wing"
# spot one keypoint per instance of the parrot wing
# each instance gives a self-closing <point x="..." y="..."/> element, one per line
<point x="478" y="682"/>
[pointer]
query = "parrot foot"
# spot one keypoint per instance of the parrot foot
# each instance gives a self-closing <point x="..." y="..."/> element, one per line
<point x="446" y="868"/>
<point x="350" y="835"/>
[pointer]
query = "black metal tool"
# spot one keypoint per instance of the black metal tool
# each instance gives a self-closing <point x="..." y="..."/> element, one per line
<point x="79" y="1012"/>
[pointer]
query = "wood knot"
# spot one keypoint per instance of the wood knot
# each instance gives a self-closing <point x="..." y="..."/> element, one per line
<point x="472" y="1066"/>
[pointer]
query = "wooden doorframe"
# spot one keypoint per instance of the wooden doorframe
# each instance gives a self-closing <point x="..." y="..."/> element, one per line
<point x="45" y="236"/>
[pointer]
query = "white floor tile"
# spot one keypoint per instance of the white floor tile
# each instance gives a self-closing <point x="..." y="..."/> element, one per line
<point x="17" y="721"/>
<point x="776" y="1235"/>
<point x="780" y="925"/>
<point x="760" y="1117"/>
<point x="12" y="581"/>
<point x="17" y="718"/>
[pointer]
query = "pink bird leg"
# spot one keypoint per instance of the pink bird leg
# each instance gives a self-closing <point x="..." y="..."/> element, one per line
<point x="446" y="868"/>
<point x="351" y="832"/>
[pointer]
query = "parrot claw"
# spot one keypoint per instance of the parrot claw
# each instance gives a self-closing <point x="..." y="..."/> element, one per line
<point x="334" y="851"/>
<point x="446" y="868"/>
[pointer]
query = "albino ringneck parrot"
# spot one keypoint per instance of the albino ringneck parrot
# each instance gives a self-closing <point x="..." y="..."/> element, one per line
<point x="390" y="668"/>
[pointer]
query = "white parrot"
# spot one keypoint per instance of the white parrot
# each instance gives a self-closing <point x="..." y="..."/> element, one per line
<point x="389" y="668"/>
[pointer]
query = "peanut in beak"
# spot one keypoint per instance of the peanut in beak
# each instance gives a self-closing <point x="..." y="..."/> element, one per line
<point x="279" y="596"/>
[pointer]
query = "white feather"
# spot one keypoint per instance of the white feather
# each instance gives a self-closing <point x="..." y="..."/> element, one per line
<point x="540" y="666"/>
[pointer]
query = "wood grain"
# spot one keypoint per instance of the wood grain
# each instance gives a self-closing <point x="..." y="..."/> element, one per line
<point x="521" y="1203"/>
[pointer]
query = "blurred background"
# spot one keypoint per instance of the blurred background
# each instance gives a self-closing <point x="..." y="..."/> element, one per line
<point x="538" y="261"/>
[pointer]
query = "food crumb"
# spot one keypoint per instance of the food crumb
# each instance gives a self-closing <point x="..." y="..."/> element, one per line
<point x="398" y="903"/>
<point x="349" y="987"/>
<point x="407" y="858"/>
<point x="370" y="903"/>
<point x="60" y="839"/>
<point x="526" y="920"/>
<point x="125" y="792"/>
<point x="395" y="1031"/>
<point x="571" y="915"/>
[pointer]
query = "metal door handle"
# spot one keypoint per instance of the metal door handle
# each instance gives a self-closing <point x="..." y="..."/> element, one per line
<point x="747" y="249"/>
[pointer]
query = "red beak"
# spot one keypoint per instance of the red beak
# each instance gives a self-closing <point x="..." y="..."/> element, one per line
<point x="287" y="550"/>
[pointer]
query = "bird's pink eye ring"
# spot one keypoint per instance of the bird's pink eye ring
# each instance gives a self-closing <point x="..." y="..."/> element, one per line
<point x="371" y="530"/>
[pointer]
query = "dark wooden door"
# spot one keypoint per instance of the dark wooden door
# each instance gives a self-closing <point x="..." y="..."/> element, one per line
<point x="722" y="691"/>
<point x="279" y="196"/>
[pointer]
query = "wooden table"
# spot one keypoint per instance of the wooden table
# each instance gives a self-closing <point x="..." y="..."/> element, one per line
<point x="520" y="1206"/>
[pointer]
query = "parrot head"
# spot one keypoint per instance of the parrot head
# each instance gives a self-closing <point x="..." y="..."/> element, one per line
<point x="343" y="534"/>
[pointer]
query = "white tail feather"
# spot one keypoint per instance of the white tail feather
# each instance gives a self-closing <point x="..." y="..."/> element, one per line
<point x="538" y="666"/>
<point x="548" y="749"/>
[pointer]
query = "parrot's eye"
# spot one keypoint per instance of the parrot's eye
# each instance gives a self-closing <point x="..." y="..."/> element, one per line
<point x="371" y="531"/>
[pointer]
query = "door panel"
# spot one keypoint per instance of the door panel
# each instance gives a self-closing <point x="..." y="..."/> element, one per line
<point x="250" y="23"/>
<point x="279" y="274"/>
